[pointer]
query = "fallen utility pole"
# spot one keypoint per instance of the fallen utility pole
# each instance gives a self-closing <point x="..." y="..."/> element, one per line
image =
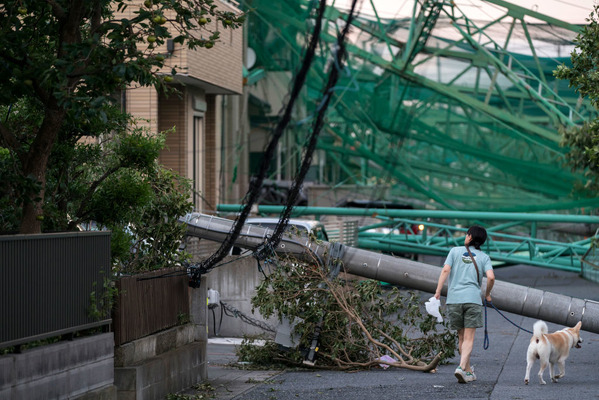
<point x="517" y="299"/>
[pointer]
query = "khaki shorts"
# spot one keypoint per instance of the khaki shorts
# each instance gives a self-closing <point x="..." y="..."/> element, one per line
<point x="467" y="315"/>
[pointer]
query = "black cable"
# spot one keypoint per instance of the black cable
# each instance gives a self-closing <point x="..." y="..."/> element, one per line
<point x="213" y="321"/>
<point x="339" y="57"/>
<point x="249" y="320"/>
<point x="256" y="184"/>
<point x="260" y="267"/>
<point x="220" y="323"/>
<point x="8" y="113"/>
<point x="165" y="275"/>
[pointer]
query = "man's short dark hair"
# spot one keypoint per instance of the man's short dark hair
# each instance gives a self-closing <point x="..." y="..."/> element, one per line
<point x="478" y="236"/>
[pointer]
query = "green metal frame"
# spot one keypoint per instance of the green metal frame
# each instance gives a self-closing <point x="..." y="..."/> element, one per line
<point x="439" y="108"/>
<point x="513" y="237"/>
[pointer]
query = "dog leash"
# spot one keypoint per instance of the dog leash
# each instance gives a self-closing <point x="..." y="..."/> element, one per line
<point x="486" y="341"/>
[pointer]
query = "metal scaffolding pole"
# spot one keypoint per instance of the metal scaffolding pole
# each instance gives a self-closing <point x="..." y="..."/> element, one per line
<point x="411" y="213"/>
<point x="517" y="299"/>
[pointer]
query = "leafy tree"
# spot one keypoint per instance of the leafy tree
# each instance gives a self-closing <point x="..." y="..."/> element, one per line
<point x="115" y="182"/>
<point x="583" y="141"/>
<point x="60" y="64"/>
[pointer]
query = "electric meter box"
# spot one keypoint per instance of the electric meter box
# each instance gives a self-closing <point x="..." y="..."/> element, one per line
<point x="213" y="298"/>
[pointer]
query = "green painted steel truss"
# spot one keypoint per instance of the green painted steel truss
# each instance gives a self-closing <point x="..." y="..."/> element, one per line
<point x="503" y="248"/>
<point x="513" y="238"/>
<point x="438" y="109"/>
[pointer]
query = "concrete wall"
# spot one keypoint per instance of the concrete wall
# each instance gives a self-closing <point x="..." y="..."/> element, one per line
<point x="166" y="362"/>
<point x="79" y="369"/>
<point x="92" y="368"/>
<point x="236" y="283"/>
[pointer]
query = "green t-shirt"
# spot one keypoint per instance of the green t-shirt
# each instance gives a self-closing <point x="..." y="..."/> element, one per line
<point x="463" y="286"/>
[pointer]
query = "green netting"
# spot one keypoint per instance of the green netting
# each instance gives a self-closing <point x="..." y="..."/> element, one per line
<point x="442" y="110"/>
<point x="590" y="265"/>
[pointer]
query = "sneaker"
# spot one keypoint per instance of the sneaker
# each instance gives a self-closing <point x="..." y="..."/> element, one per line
<point x="473" y="376"/>
<point x="470" y="377"/>
<point x="461" y="375"/>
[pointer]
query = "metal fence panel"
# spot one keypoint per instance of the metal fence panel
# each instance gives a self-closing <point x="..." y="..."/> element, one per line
<point x="150" y="302"/>
<point x="46" y="281"/>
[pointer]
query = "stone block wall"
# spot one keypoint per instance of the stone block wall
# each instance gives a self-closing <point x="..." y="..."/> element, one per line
<point x="78" y="369"/>
<point x="165" y="362"/>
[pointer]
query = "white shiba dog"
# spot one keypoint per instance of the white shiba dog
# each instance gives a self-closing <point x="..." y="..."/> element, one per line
<point x="551" y="349"/>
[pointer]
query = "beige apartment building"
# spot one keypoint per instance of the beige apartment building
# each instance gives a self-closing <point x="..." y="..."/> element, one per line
<point x="206" y="142"/>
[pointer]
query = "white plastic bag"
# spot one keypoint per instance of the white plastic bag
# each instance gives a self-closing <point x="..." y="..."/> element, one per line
<point x="387" y="359"/>
<point x="432" y="307"/>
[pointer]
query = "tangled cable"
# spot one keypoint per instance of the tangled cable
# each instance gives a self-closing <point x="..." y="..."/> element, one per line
<point x="233" y="312"/>
<point x="256" y="183"/>
<point x="339" y="54"/>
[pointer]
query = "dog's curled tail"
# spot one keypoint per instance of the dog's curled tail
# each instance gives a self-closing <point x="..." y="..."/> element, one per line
<point x="539" y="329"/>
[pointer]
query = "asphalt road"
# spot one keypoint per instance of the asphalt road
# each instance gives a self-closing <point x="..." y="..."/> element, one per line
<point x="500" y="369"/>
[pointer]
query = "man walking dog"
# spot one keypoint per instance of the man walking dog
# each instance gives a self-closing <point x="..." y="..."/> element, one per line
<point x="464" y="267"/>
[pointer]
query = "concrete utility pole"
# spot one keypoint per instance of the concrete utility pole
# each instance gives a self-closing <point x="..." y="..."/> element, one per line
<point x="517" y="299"/>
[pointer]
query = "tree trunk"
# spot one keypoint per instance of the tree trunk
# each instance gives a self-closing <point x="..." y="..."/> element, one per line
<point x="36" y="165"/>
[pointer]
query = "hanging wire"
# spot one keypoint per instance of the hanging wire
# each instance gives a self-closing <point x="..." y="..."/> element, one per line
<point x="256" y="183"/>
<point x="8" y="113"/>
<point x="231" y="311"/>
<point x="339" y="55"/>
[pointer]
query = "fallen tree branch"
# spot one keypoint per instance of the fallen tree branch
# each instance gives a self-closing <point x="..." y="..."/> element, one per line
<point x="357" y="322"/>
